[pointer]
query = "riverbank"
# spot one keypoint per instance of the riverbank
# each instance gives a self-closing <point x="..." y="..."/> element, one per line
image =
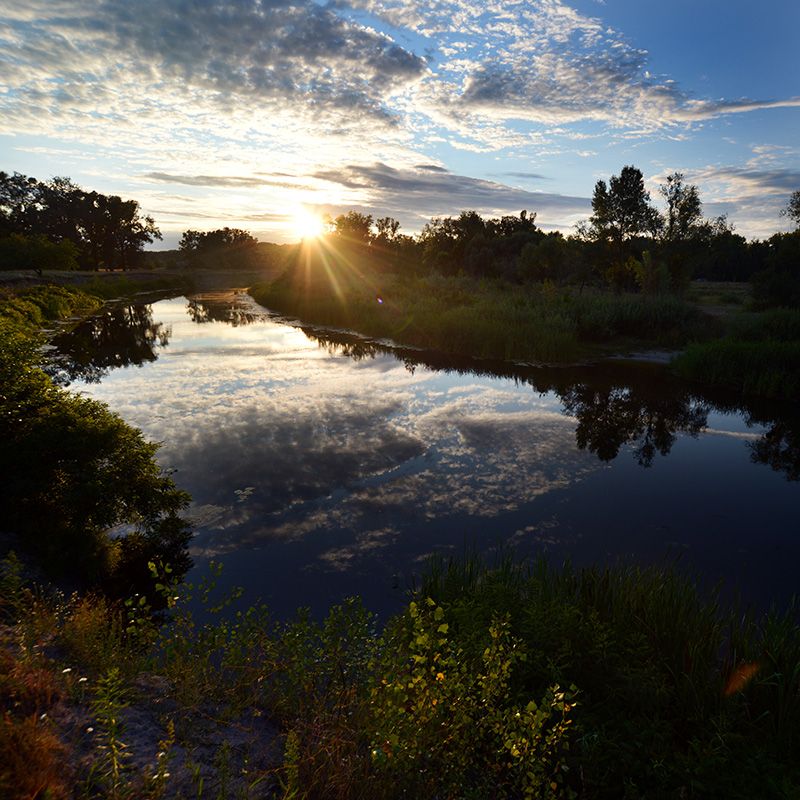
<point x="133" y="281"/>
<point x="711" y="339"/>
<point x="674" y="695"/>
<point x="509" y="679"/>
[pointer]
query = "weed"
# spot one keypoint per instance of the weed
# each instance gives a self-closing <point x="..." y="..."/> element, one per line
<point x="107" y="705"/>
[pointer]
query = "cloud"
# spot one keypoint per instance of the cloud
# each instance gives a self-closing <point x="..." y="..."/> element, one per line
<point x="772" y="181"/>
<point x="221" y="181"/>
<point x="534" y="176"/>
<point x="423" y="191"/>
<point x="195" y="58"/>
<point x="751" y="191"/>
<point x="191" y="64"/>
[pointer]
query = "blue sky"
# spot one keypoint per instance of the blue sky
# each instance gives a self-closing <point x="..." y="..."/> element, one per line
<point x="244" y="112"/>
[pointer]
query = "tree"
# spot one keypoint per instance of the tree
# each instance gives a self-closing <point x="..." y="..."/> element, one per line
<point x="37" y="253"/>
<point x="792" y="209"/>
<point x="71" y="470"/>
<point x="622" y="210"/>
<point x="683" y="208"/>
<point x="105" y="229"/>
<point x="224" y="247"/>
<point x="353" y="227"/>
<point x="387" y="228"/>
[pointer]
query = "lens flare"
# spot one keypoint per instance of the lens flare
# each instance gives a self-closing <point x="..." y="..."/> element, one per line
<point x="307" y="224"/>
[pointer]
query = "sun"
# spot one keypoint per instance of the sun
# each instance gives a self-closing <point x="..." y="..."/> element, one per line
<point x="307" y="224"/>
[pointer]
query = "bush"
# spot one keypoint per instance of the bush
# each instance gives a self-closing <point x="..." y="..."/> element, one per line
<point x="18" y="252"/>
<point x="70" y="470"/>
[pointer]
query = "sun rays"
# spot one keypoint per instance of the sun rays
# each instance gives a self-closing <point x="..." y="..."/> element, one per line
<point x="308" y="225"/>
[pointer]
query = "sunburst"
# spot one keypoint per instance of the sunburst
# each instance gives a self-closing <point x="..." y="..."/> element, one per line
<point x="307" y="224"/>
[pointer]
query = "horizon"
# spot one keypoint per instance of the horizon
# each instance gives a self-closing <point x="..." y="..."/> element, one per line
<point x="251" y="114"/>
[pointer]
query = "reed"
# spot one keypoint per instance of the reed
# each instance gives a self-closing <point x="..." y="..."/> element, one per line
<point x="764" y="368"/>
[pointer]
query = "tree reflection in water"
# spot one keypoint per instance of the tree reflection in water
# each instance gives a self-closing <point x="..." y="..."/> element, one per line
<point x="217" y="307"/>
<point x="779" y="447"/>
<point x="612" y="416"/>
<point x="119" y="336"/>
<point x="615" y="407"/>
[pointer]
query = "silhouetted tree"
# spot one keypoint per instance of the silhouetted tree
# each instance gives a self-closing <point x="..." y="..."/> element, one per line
<point x="792" y="209"/>
<point x="227" y="248"/>
<point x="683" y="215"/>
<point x="622" y="210"/>
<point x="104" y="229"/>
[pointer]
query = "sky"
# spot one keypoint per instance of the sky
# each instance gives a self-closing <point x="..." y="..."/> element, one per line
<point x="247" y="113"/>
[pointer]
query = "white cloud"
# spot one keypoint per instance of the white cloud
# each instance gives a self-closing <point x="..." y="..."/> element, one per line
<point x="222" y="96"/>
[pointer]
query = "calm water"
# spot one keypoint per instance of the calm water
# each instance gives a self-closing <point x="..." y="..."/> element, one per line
<point x="322" y="466"/>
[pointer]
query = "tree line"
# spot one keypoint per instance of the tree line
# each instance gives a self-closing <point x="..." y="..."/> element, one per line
<point x="56" y="224"/>
<point x="625" y="245"/>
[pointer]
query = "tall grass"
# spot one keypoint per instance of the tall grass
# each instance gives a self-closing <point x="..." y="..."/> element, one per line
<point x="764" y="368"/>
<point x="456" y="315"/>
<point x="502" y="679"/>
<point x="459" y="314"/>
<point x="659" y="320"/>
<point x="679" y="696"/>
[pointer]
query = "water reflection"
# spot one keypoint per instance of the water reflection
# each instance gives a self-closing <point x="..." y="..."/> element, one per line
<point x="612" y="416"/>
<point x="779" y="447"/>
<point x="220" y="307"/>
<point x="322" y="464"/>
<point x="118" y="336"/>
<point x="614" y="406"/>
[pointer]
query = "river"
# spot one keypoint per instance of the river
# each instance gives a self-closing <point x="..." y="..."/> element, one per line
<point x="322" y="465"/>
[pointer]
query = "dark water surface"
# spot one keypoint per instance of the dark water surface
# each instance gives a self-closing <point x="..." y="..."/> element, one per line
<point x="323" y="466"/>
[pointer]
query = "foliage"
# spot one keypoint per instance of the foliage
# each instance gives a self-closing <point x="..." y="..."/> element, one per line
<point x="654" y="319"/>
<point x="678" y="695"/>
<point x="766" y="368"/>
<point x="52" y="215"/>
<point x="455" y="315"/>
<point x="621" y="209"/>
<point x="225" y="248"/>
<point x="792" y="209"/>
<point x="449" y="725"/>
<point x="33" y="760"/>
<point x="27" y="310"/>
<point x="72" y="470"/>
<point x="683" y="208"/>
<point x="18" y="252"/>
<point x="778" y="284"/>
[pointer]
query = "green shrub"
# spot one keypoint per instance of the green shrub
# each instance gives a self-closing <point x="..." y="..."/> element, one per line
<point x="446" y="722"/>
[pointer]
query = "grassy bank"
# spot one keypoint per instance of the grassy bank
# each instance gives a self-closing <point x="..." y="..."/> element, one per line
<point x="724" y="343"/>
<point x="536" y="322"/>
<point x="29" y="309"/>
<point x="514" y="681"/>
<point x="760" y="355"/>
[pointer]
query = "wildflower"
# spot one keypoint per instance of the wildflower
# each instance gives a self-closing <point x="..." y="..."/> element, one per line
<point x="65" y="671"/>
<point x="44" y="716"/>
<point x="81" y="680"/>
